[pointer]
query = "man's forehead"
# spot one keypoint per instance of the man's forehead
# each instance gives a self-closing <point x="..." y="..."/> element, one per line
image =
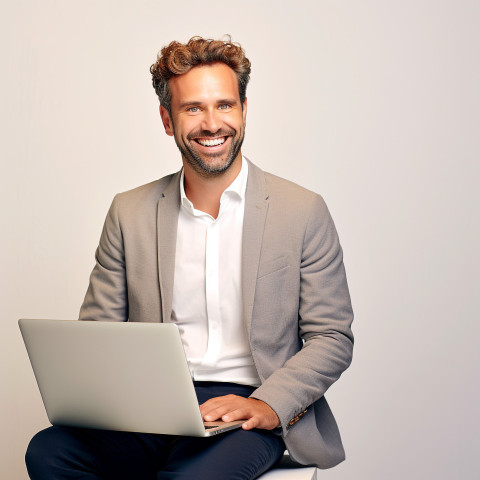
<point x="205" y="81"/>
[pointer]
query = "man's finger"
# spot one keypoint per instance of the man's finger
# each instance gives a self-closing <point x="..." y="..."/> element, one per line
<point x="217" y="403"/>
<point x="239" y="414"/>
<point x="215" y="414"/>
<point x="251" y="423"/>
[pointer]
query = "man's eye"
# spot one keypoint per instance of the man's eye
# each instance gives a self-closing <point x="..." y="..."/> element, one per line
<point x="224" y="106"/>
<point x="194" y="109"/>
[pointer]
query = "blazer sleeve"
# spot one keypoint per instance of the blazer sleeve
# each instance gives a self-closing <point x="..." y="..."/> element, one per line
<point x="324" y="324"/>
<point x="106" y="298"/>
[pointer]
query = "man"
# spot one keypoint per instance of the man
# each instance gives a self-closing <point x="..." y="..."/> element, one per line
<point x="249" y="267"/>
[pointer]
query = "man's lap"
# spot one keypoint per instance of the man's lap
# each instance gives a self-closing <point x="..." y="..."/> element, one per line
<point x="235" y="455"/>
<point x="96" y="454"/>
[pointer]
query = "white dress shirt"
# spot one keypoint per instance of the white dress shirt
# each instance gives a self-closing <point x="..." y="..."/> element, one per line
<point x="207" y="295"/>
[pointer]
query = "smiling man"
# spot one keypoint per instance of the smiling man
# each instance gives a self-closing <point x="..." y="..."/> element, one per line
<point x="248" y="266"/>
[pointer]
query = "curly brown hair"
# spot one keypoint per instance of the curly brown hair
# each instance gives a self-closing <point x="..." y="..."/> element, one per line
<point x="178" y="58"/>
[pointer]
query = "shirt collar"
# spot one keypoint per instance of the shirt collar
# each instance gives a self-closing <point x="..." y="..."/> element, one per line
<point x="236" y="189"/>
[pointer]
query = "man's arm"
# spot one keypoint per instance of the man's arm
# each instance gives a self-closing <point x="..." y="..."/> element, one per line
<point x="106" y="297"/>
<point x="324" y="320"/>
<point x="324" y="324"/>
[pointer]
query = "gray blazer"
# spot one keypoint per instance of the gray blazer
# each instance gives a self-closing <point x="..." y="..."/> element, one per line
<point x="297" y="309"/>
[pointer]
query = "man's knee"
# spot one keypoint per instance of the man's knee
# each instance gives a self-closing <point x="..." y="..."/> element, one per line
<point x="51" y="451"/>
<point x="39" y="452"/>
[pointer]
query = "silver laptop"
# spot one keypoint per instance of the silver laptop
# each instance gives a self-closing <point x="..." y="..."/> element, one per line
<point x="116" y="376"/>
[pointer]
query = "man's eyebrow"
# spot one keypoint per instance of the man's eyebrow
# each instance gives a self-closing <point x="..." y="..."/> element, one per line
<point x="231" y="101"/>
<point x="192" y="103"/>
<point x="196" y="103"/>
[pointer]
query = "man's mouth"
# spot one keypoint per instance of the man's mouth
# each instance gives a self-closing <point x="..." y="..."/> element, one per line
<point x="211" y="142"/>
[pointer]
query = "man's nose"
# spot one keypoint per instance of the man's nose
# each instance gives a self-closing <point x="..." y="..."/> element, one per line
<point x="211" y="121"/>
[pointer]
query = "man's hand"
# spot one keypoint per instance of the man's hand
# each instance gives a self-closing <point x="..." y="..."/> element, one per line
<point x="232" y="407"/>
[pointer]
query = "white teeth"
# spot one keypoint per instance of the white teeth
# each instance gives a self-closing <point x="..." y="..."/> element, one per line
<point x="211" y="143"/>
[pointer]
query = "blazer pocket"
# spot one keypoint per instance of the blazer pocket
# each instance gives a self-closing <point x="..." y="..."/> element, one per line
<point x="273" y="266"/>
<point x="273" y="295"/>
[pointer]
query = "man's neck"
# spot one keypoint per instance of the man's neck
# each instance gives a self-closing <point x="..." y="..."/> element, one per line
<point x="205" y="192"/>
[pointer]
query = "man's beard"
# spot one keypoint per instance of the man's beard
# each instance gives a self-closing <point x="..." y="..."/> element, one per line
<point x="210" y="169"/>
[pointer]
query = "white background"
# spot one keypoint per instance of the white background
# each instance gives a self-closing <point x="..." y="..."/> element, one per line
<point x="374" y="104"/>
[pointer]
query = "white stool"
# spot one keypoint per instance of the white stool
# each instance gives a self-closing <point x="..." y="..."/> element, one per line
<point x="287" y="469"/>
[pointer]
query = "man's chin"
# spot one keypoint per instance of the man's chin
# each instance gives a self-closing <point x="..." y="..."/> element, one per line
<point x="210" y="165"/>
<point x="213" y="168"/>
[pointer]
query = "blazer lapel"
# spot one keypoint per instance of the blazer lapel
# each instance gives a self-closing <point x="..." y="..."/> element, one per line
<point x="256" y="207"/>
<point x="167" y="221"/>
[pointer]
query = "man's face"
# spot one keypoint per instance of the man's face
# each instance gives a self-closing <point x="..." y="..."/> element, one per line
<point x="207" y="119"/>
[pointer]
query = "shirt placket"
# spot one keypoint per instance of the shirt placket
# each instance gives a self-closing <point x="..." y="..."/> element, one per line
<point x="212" y="294"/>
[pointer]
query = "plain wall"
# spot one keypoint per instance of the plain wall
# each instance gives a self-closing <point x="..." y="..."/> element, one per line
<point x="373" y="104"/>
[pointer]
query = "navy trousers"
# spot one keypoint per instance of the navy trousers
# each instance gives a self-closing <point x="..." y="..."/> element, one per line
<point x="84" y="454"/>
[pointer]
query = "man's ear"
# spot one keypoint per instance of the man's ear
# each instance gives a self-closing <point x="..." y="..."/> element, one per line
<point x="167" y="121"/>
<point x="244" y="112"/>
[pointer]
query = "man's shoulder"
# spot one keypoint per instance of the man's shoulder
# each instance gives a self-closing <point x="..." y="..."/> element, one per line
<point x="287" y="198"/>
<point x="149" y="192"/>
<point x="293" y="203"/>
<point x="281" y="186"/>
<point x="291" y="197"/>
